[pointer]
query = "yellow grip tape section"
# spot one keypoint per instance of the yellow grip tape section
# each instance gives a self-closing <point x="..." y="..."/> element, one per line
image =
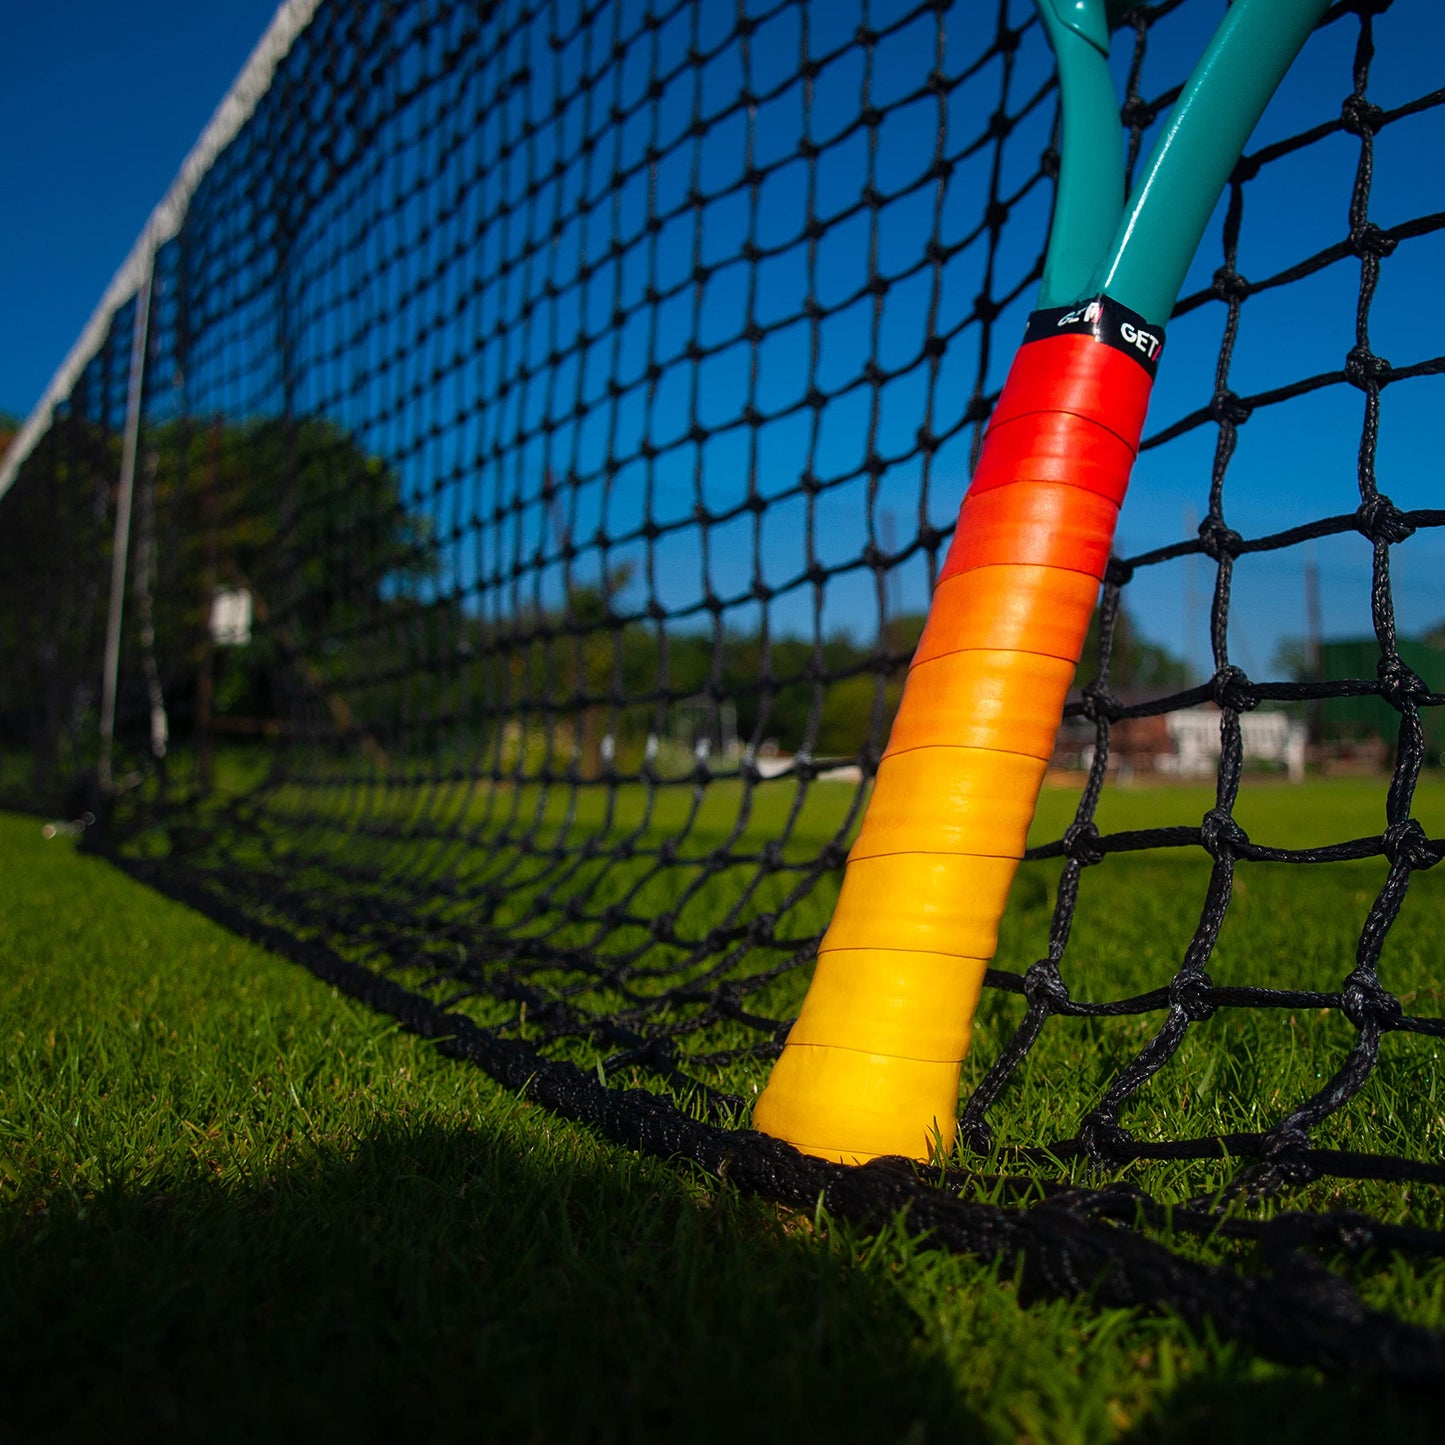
<point x="922" y="903"/>
<point x="951" y="800"/>
<point x="852" y="1107"/>
<point x="886" y="1001"/>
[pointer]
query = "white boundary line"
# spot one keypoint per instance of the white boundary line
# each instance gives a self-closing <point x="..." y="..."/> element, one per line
<point x="290" y="19"/>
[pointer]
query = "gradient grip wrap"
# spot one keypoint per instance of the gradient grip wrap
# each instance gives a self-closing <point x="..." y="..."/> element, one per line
<point x="872" y="1065"/>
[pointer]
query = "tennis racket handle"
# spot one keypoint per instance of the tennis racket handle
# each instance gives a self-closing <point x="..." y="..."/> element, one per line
<point x="871" y="1067"/>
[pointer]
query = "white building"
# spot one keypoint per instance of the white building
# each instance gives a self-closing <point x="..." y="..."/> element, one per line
<point x="1268" y="737"/>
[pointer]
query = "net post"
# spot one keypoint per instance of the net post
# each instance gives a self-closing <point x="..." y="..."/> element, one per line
<point x="120" y="549"/>
<point x="206" y="677"/>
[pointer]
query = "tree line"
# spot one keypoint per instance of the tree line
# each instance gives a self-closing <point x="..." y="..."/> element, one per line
<point x="361" y="635"/>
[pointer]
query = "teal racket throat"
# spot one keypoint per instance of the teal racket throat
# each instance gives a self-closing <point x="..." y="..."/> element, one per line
<point x="1138" y="253"/>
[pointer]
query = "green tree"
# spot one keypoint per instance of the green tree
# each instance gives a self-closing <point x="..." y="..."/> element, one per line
<point x="298" y="514"/>
<point x="55" y="532"/>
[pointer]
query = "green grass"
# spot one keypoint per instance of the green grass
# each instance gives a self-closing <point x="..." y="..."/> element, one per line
<point x="235" y="1204"/>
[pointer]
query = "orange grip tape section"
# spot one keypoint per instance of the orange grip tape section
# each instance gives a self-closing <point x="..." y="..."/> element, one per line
<point x="889" y="1001"/>
<point x="1034" y="524"/>
<point x="1075" y="374"/>
<point x="951" y="800"/>
<point x="1046" y="610"/>
<point x="1006" y="701"/>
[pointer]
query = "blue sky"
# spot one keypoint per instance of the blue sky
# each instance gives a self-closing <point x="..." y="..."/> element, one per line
<point x="100" y="101"/>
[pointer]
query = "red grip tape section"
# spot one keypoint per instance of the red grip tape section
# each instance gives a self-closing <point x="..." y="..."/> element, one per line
<point x="1055" y="446"/>
<point x="1076" y="374"/>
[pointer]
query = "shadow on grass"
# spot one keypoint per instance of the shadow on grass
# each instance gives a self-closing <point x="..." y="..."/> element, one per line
<point x="445" y="1284"/>
<point x="1212" y="1411"/>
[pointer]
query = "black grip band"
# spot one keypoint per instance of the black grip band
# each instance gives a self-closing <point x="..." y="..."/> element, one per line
<point x="1105" y="320"/>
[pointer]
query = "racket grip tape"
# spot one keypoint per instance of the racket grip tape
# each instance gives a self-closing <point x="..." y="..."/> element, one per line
<point x="871" y="1067"/>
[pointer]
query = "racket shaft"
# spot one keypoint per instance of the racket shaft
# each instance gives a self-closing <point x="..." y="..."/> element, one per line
<point x="872" y="1065"/>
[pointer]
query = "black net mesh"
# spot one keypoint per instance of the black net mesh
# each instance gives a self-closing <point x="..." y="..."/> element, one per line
<point x="553" y="416"/>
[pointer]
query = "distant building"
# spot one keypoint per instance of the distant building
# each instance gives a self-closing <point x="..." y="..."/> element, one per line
<point x="1272" y="738"/>
<point x="1186" y="743"/>
<point x="1369" y="722"/>
<point x="231" y="613"/>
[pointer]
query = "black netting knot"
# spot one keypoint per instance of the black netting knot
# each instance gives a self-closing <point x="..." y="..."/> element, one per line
<point x="1283" y="1155"/>
<point x="1364" y="369"/>
<point x="1044" y="987"/>
<point x="1100" y="705"/>
<point x="979" y="409"/>
<point x="1405" y="844"/>
<point x="1246" y="168"/>
<point x="1367" y="239"/>
<point x="1366" y="1002"/>
<point x="1104" y="1141"/>
<point x="1188" y="993"/>
<point x="1229" y="285"/>
<point x="1229" y="408"/>
<point x="1081" y="843"/>
<point x="1231" y="688"/>
<point x="1400" y="686"/>
<point x="976" y="1135"/>
<point x="1379" y="519"/>
<point x="1049" y="162"/>
<point x="1220" y="835"/>
<point x="1219" y="541"/>
<point x="1118" y="573"/>
<point x="1138" y="113"/>
<point x="1359" y="116"/>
